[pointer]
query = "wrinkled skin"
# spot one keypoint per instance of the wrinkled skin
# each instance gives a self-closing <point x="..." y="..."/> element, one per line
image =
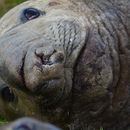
<point x="28" y="124"/>
<point x="69" y="66"/>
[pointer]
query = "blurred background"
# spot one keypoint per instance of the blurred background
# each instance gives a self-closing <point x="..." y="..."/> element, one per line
<point x="5" y="5"/>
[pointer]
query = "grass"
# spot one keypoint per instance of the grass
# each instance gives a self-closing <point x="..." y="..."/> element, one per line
<point x="101" y="128"/>
<point x="3" y="121"/>
<point x="5" y="5"/>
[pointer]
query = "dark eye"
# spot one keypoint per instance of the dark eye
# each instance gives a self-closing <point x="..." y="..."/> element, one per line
<point x="31" y="13"/>
<point x="7" y="94"/>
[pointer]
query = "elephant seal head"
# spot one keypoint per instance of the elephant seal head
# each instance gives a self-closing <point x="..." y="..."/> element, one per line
<point x="40" y="42"/>
<point x="67" y="61"/>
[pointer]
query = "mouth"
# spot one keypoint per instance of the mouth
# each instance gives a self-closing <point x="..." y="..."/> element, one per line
<point x="21" y="70"/>
<point x="48" y="84"/>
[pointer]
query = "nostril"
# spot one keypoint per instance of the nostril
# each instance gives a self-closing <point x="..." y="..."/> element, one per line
<point x="49" y="56"/>
<point x="44" y="54"/>
<point x="44" y="59"/>
<point x="60" y="57"/>
<point x="57" y="57"/>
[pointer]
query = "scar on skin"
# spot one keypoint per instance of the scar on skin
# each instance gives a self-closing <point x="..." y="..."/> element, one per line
<point x="53" y="3"/>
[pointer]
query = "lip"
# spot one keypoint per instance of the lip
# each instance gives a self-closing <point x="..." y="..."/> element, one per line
<point x="45" y="85"/>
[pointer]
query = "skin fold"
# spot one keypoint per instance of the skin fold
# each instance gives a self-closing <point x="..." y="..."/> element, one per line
<point x="67" y="63"/>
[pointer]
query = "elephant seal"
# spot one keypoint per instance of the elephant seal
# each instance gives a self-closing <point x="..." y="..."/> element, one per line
<point x="28" y="124"/>
<point x="67" y="62"/>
